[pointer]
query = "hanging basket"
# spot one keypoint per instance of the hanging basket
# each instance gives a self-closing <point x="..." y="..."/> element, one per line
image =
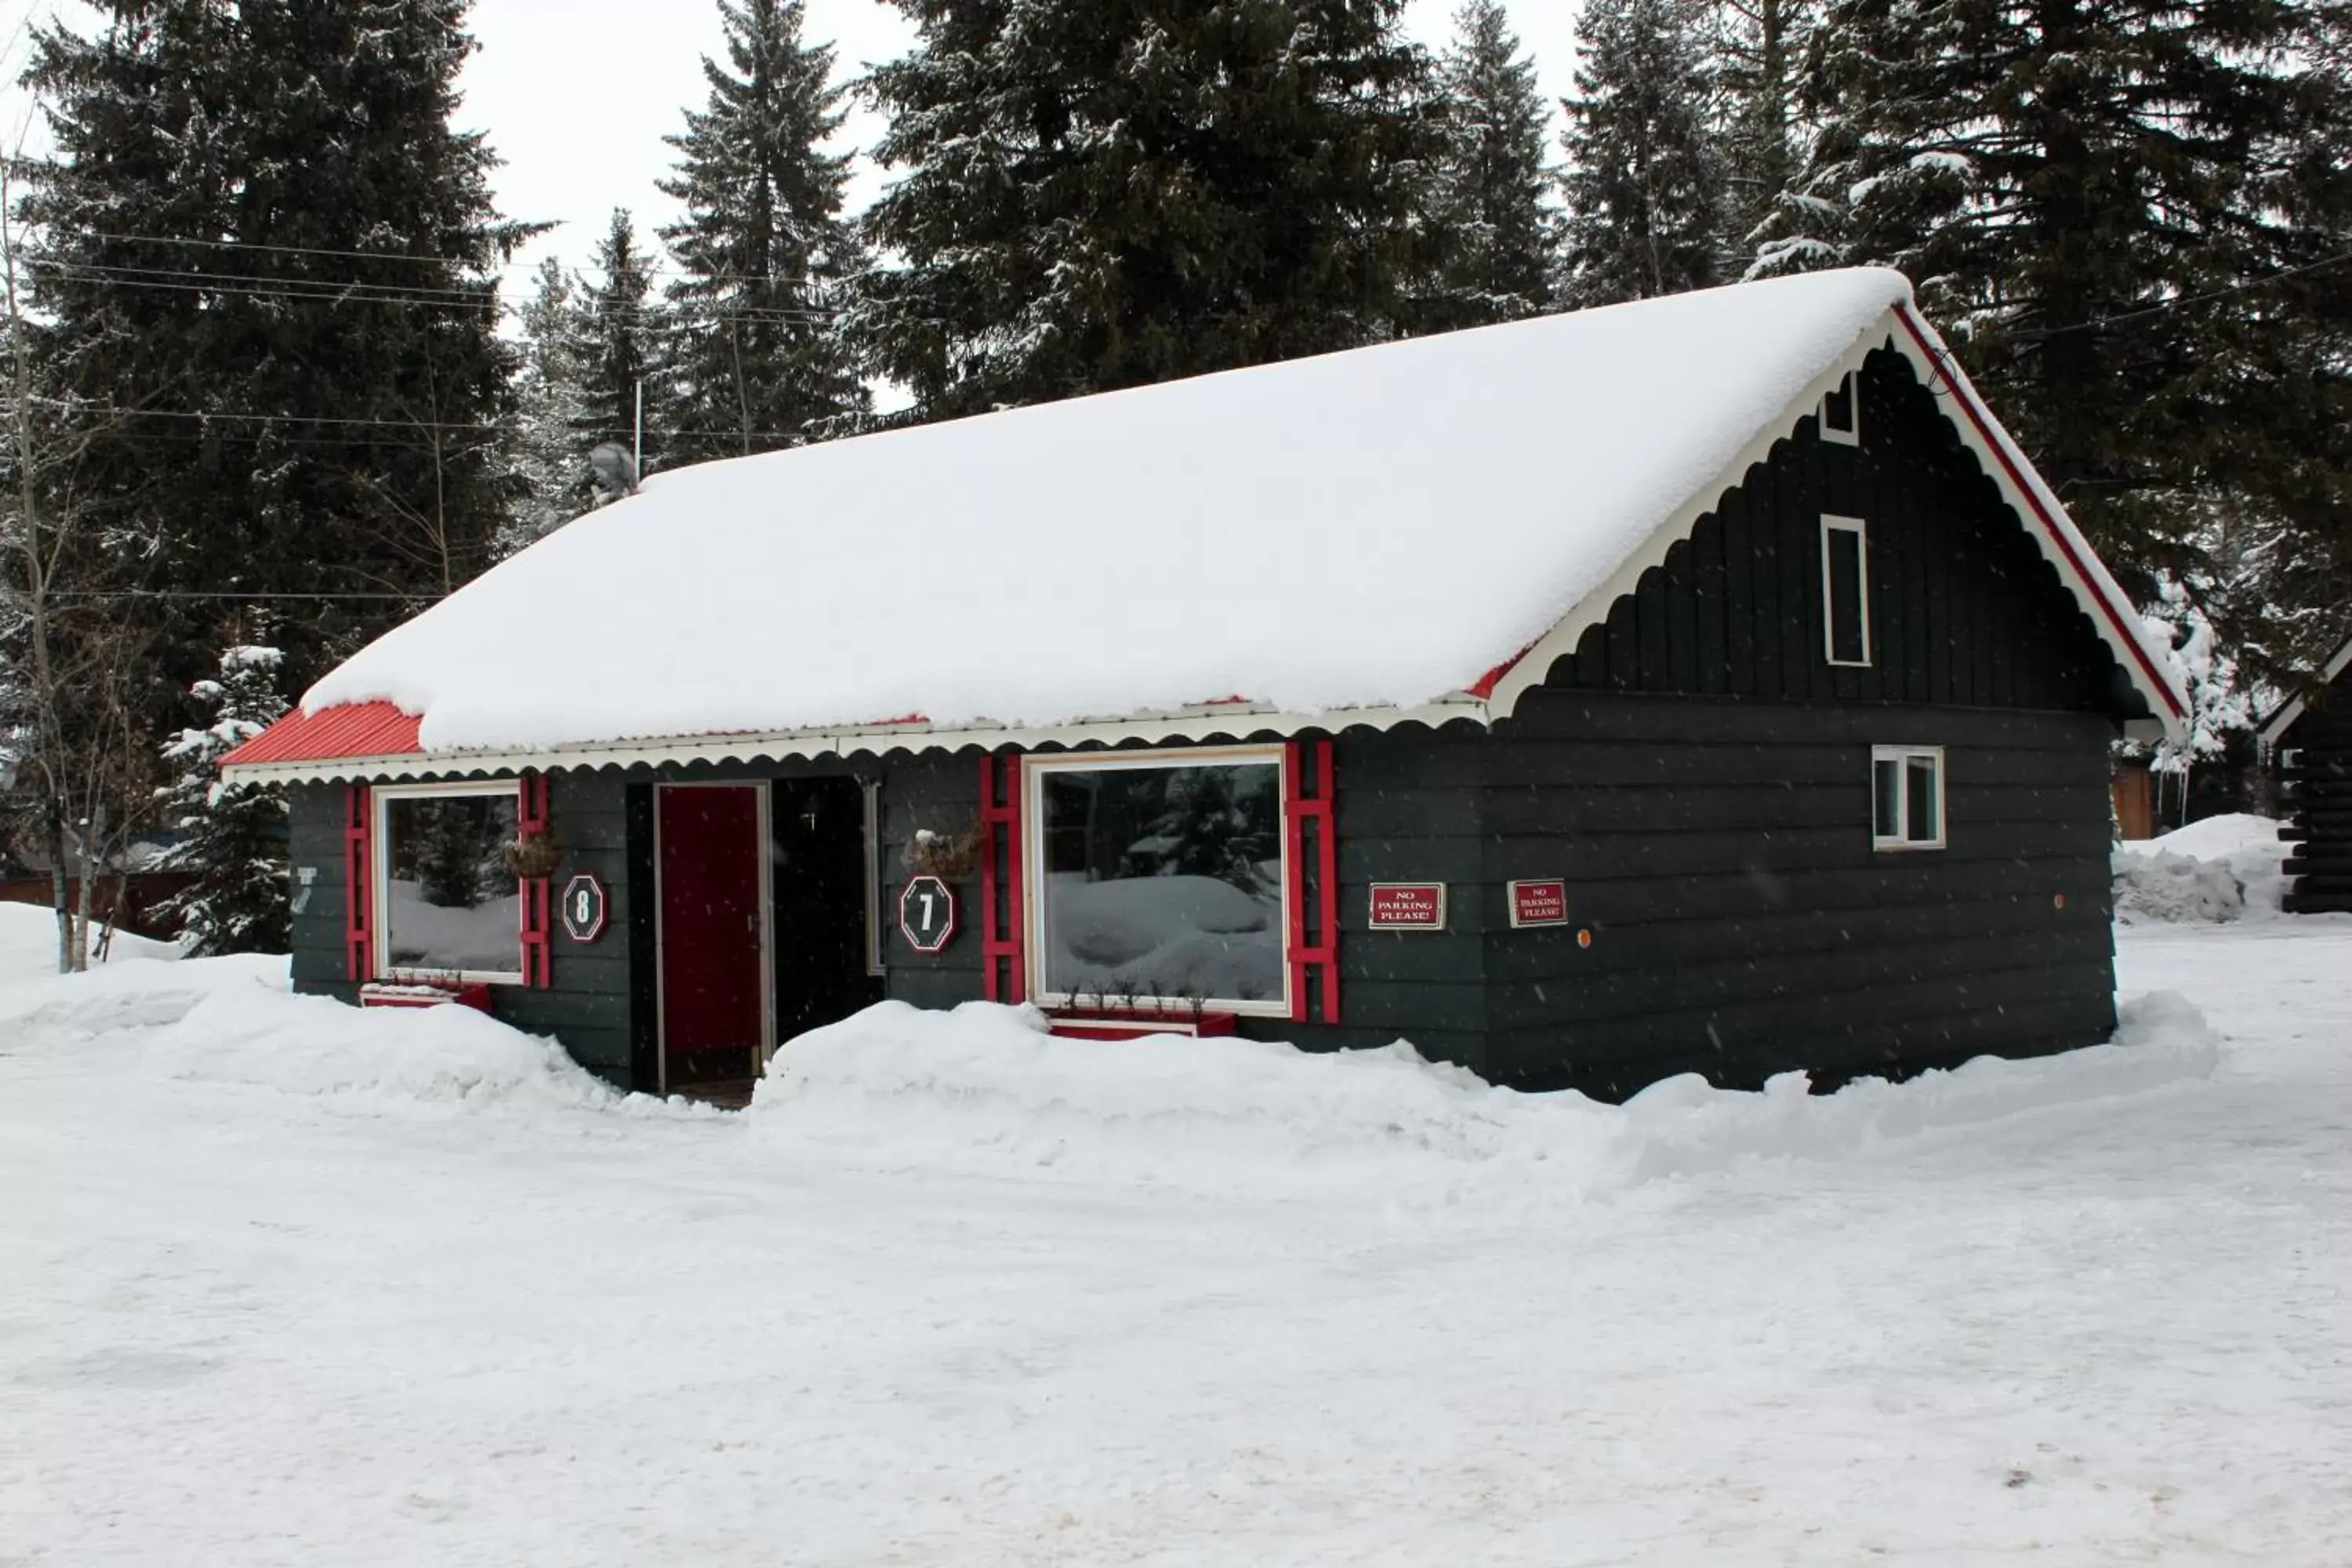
<point x="951" y="856"/>
<point x="532" y="856"/>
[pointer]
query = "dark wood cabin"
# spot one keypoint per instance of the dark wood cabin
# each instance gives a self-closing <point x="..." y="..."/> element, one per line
<point x="1816" y="778"/>
<point x="2311" y="736"/>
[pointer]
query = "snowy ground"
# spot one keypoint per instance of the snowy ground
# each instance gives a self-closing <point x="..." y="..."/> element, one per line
<point x="282" y="1283"/>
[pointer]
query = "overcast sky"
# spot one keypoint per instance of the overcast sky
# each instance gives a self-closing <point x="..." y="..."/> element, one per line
<point x="577" y="94"/>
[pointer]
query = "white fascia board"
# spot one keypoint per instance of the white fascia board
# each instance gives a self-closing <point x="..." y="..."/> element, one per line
<point x="1221" y="722"/>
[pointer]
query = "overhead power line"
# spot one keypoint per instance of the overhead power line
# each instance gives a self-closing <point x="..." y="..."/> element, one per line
<point x="658" y="269"/>
<point x="340" y="292"/>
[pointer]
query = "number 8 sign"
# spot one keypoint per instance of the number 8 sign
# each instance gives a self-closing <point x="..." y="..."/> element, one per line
<point x="926" y="914"/>
<point x="583" y="906"/>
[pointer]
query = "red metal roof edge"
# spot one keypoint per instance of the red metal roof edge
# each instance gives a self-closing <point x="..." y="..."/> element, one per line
<point x="332" y="734"/>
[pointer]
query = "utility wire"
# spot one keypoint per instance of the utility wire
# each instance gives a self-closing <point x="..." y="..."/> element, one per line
<point x="658" y="269"/>
<point x="2033" y="334"/>
<point x="300" y="290"/>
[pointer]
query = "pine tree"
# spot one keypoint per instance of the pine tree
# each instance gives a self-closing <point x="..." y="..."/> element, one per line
<point x="618" y="348"/>
<point x="1758" y="48"/>
<point x="1645" y="180"/>
<point x="1097" y="198"/>
<point x="233" y="836"/>
<point x="550" y="456"/>
<point x="267" y="251"/>
<point x="1491" y="233"/>
<point x="763" y="247"/>
<point x="2128" y="216"/>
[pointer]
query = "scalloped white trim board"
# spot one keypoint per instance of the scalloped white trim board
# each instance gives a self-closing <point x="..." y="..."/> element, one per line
<point x="1358" y="538"/>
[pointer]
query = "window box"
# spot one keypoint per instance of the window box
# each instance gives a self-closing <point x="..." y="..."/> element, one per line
<point x="1906" y="790"/>
<point x="1090" y="1024"/>
<point x="448" y="909"/>
<point x="400" y="994"/>
<point x="1158" y="884"/>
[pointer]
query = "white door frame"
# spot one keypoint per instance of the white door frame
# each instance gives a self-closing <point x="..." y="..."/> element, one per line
<point x="765" y="1046"/>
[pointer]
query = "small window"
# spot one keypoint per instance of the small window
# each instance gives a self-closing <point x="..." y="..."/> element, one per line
<point x="1840" y="416"/>
<point x="1906" y="797"/>
<point x="1159" y="881"/>
<point x="1845" y="590"/>
<point x="446" y="907"/>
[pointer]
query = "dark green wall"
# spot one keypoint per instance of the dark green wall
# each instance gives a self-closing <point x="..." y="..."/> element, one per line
<point x="2316" y="752"/>
<point x="1696" y="771"/>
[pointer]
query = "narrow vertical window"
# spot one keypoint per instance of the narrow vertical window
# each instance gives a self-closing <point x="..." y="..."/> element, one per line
<point x="1840" y="416"/>
<point x="1906" y="797"/>
<point x="1845" y="590"/>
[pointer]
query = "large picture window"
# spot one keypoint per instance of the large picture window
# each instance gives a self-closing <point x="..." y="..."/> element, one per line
<point x="446" y="907"/>
<point x="1158" y="881"/>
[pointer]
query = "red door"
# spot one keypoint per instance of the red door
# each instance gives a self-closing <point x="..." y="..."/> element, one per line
<point x="712" y="863"/>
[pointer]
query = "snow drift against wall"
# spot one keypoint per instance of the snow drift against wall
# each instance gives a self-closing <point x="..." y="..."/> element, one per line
<point x="1377" y="528"/>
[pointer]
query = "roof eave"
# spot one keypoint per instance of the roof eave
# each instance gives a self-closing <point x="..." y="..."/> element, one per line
<point x="1216" y="721"/>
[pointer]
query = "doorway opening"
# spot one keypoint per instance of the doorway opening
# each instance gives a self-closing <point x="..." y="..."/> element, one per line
<point x="826" y="957"/>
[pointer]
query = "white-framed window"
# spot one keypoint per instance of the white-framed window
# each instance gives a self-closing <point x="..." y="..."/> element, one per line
<point x="1845" y="590"/>
<point x="1158" y="880"/>
<point x="1841" y="413"/>
<point x="446" y="907"/>
<point x="1906" y="797"/>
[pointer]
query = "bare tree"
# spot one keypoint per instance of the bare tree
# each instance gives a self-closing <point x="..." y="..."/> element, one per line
<point x="73" y="646"/>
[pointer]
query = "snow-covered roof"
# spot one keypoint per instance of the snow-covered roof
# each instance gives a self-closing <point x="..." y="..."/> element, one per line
<point x="2274" y="728"/>
<point x="1400" y="531"/>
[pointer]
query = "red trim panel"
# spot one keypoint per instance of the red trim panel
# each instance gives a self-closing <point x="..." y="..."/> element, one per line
<point x="359" y="864"/>
<point x="1314" y="948"/>
<point x="538" y="926"/>
<point x="1969" y="406"/>
<point x="355" y="730"/>
<point x="1004" y="976"/>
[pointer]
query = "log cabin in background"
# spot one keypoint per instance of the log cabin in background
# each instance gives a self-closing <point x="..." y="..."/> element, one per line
<point x="1707" y="684"/>
<point x="2310" y="737"/>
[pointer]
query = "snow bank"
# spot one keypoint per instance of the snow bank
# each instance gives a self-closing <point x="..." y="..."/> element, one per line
<point x="2220" y="868"/>
<point x="985" y="1087"/>
<point x="28" y="943"/>
<point x="258" y="1033"/>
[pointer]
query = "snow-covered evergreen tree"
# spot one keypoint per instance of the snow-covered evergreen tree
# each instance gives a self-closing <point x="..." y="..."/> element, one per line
<point x="1758" y="48"/>
<point x="550" y="455"/>
<point x="1098" y="196"/>
<point x="2129" y="217"/>
<point x="763" y="247"/>
<point x="1493" y="238"/>
<point x="268" y="252"/>
<point x="233" y="835"/>
<point x="1645" y="173"/>
<point x="619" y="349"/>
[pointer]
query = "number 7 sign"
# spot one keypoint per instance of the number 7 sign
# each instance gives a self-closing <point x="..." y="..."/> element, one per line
<point x="926" y="914"/>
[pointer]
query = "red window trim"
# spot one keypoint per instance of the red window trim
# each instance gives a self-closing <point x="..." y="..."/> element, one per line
<point x="538" y="926"/>
<point x="359" y="863"/>
<point x="1314" y="951"/>
<point x="1004" y="977"/>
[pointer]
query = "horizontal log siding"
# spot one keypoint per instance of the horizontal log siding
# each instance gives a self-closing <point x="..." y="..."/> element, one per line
<point x="321" y="961"/>
<point x="2317" y="774"/>
<point x="1741" y="922"/>
<point x="588" y="1006"/>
